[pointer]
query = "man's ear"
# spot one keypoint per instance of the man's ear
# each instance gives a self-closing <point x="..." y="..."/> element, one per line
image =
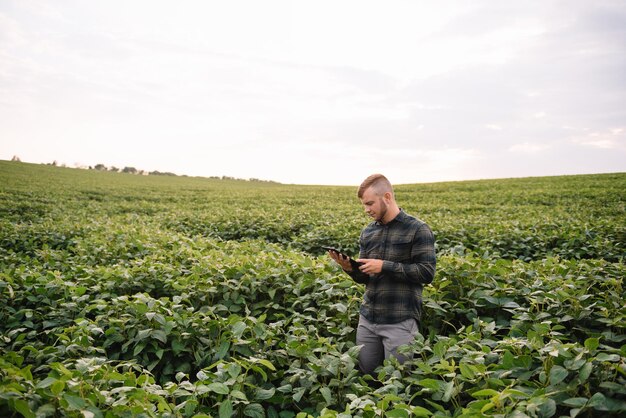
<point x="387" y="196"/>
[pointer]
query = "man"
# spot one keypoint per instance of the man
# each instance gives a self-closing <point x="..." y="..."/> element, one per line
<point x="397" y="252"/>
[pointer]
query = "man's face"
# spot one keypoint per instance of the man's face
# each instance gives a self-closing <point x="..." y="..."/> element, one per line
<point x="374" y="205"/>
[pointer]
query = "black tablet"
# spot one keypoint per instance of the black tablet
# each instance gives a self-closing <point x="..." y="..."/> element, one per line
<point x="355" y="264"/>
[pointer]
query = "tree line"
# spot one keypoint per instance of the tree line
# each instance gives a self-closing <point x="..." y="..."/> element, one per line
<point x="133" y="170"/>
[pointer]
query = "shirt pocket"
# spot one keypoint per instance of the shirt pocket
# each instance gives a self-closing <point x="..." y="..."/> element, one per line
<point x="400" y="249"/>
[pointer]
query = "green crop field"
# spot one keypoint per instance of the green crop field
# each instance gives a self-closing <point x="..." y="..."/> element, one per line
<point x="125" y="295"/>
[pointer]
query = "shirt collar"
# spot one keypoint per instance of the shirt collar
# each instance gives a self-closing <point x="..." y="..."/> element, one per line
<point x="400" y="217"/>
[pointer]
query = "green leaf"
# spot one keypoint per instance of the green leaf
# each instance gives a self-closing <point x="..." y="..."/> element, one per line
<point x="47" y="410"/>
<point x="575" y="364"/>
<point x="297" y="394"/>
<point x="267" y="364"/>
<point x="233" y="369"/>
<point x="260" y="371"/>
<point x="608" y="357"/>
<point x="138" y="349"/>
<point x="328" y="397"/>
<point x="222" y="350"/>
<point x="449" y="390"/>
<point x="488" y="406"/>
<point x="285" y="388"/>
<point x="485" y="393"/>
<point x="547" y="408"/>
<point x="226" y="409"/>
<point x="190" y="406"/>
<point x="468" y="371"/>
<point x="160" y="319"/>
<point x="435" y="405"/>
<point x="397" y="413"/>
<point x="80" y="290"/>
<point x="508" y="360"/>
<point x="431" y="384"/>
<point x="57" y="387"/>
<point x="514" y="393"/>
<point x="177" y="346"/>
<point x="160" y="335"/>
<point x="440" y="349"/>
<point x="263" y="394"/>
<point x="74" y="402"/>
<point x="597" y="400"/>
<point x="254" y="410"/>
<point x="48" y="381"/>
<point x="585" y="372"/>
<point x="575" y="402"/>
<point x="557" y="374"/>
<point x="592" y="344"/>
<point x="239" y="395"/>
<point x="238" y="329"/>
<point x="202" y="389"/>
<point x="218" y="387"/>
<point x="143" y="334"/>
<point x="339" y="307"/>
<point x="22" y="407"/>
<point x="419" y="411"/>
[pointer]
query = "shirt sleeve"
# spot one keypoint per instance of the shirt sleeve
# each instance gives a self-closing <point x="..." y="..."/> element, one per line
<point x="358" y="276"/>
<point x="421" y="268"/>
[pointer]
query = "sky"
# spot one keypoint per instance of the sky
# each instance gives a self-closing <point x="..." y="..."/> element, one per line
<point x="317" y="92"/>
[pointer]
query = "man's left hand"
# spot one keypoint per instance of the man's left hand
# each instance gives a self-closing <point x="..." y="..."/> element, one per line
<point x="370" y="265"/>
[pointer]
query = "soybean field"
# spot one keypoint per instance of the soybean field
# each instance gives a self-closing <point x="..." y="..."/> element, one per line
<point x="169" y="296"/>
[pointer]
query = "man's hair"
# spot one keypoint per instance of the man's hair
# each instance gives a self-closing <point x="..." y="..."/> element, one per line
<point x="378" y="182"/>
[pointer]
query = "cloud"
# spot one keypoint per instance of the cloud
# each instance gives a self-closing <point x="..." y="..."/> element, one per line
<point x="528" y="148"/>
<point x="611" y="139"/>
<point x="493" y="127"/>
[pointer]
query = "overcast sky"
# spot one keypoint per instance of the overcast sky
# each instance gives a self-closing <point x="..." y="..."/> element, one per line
<point x="317" y="92"/>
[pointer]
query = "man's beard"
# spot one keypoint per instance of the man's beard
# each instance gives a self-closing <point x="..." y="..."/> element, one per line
<point x="383" y="211"/>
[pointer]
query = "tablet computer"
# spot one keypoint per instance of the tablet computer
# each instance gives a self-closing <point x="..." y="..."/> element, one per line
<point x="355" y="264"/>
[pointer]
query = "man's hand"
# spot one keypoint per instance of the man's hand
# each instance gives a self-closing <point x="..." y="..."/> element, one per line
<point x="343" y="262"/>
<point x="370" y="265"/>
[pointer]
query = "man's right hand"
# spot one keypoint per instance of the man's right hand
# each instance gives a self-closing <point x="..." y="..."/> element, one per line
<point x="344" y="262"/>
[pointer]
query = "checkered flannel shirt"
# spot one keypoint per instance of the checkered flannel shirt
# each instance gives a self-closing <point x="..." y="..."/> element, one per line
<point x="407" y="246"/>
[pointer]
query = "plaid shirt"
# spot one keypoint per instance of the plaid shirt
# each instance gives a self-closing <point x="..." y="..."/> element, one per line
<point x="407" y="246"/>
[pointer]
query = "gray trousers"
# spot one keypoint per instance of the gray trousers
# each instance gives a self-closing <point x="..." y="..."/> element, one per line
<point x="381" y="341"/>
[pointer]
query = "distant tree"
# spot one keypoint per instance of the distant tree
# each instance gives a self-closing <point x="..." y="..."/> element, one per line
<point x="54" y="163"/>
<point x="159" y="173"/>
<point x="114" y="169"/>
<point x="130" y="170"/>
<point x="100" y="167"/>
<point x="16" y="159"/>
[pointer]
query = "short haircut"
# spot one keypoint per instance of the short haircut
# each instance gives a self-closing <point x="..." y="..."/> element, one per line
<point x="379" y="182"/>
